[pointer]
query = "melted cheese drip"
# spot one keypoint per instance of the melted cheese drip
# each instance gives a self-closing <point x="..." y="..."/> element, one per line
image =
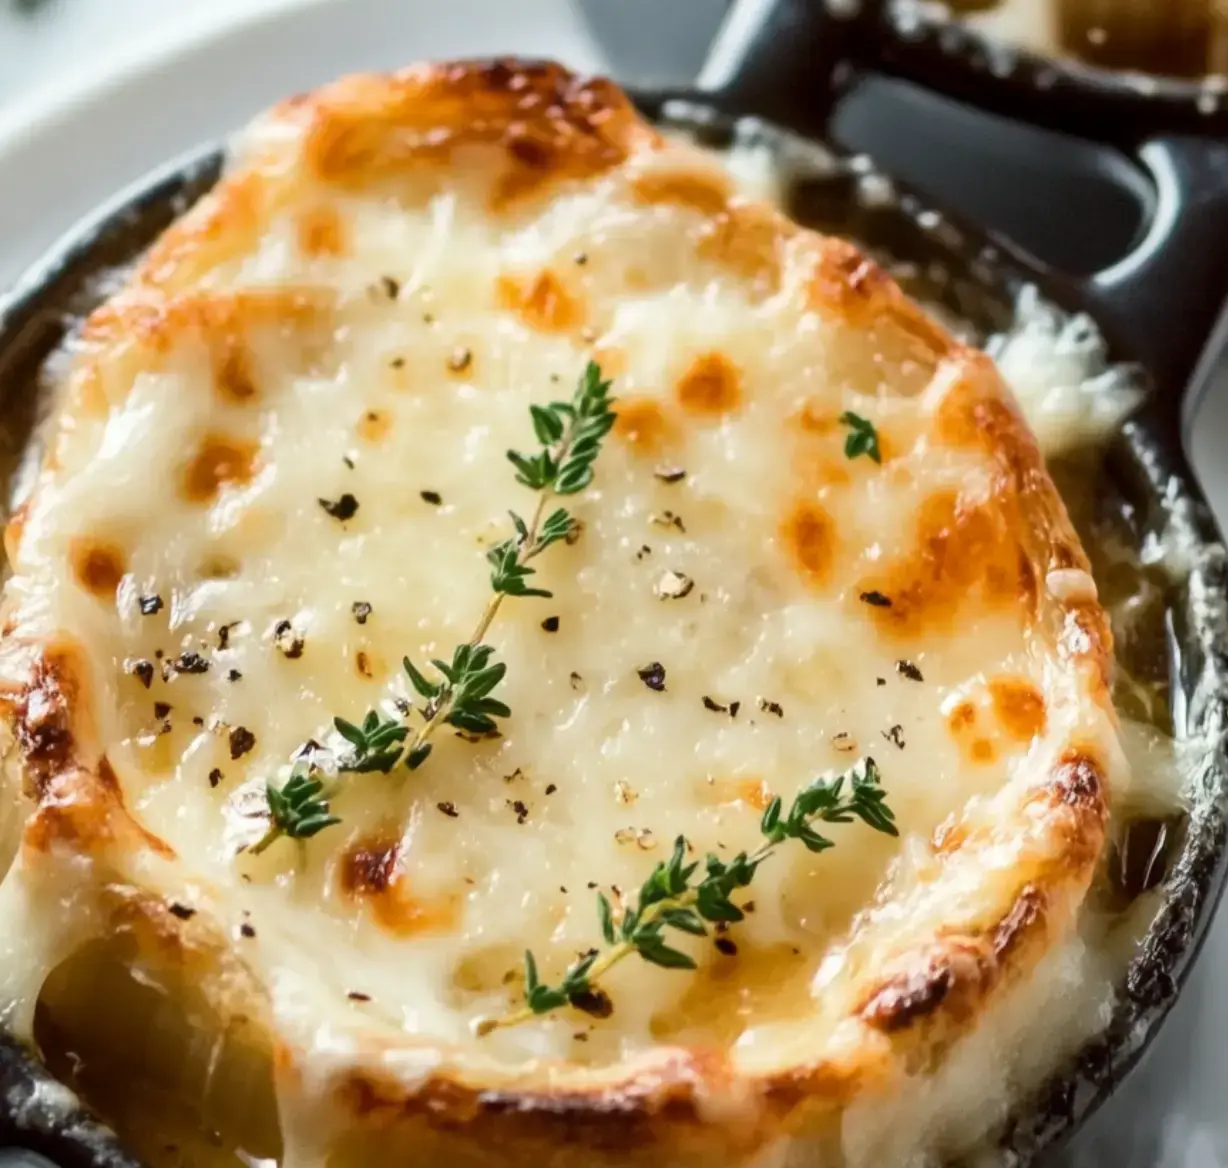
<point x="501" y="844"/>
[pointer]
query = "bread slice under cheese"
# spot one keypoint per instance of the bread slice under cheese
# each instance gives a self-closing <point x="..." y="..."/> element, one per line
<point x="391" y="271"/>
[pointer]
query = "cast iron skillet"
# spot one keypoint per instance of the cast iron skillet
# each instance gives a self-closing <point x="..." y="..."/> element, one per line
<point x="787" y="61"/>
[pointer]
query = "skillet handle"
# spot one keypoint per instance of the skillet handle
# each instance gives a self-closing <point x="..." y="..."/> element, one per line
<point x="789" y="61"/>
<point x="1159" y="304"/>
<point x="781" y="60"/>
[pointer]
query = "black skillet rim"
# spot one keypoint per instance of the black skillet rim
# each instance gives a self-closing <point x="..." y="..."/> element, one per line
<point x="1145" y="456"/>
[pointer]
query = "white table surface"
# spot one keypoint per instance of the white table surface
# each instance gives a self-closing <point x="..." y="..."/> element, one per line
<point x="1171" y="1114"/>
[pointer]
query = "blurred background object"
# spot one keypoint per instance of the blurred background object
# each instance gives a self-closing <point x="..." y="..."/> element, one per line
<point x="1171" y="38"/>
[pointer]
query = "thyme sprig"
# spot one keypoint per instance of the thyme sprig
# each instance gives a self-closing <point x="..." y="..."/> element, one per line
<point x="672" y="897"/>
<point x="570" y="434"/>
<point x="297" y="810"/>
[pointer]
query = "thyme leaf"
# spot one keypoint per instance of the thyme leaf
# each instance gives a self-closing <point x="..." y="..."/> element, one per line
<point x="862" y="437"/>
<point x="297" y="810"/>
<point x="376" y="742"/>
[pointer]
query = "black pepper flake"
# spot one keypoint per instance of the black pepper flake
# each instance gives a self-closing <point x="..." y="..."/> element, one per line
<point x="909" y="670"/>
<point x="432" y="497"/>
<point x="591" y="885"/>
<point x="522" y="812"/>
<point x="391" y="287"/>
<point x="241" y="741"/>
<point x="223" y="634"/>
<point x="551" y="788"/>
<point x="159" y="654"/>
<point x="489" y="736"/>
<point x="895" y="735"/>
<point x="247" y="930"/>
<point x="594" y="1002"/>
<point x="460" y="360"/>
<point x="653" y="676"/>
<point x="215" y="776"/>
<point x="356" y="996"/>
<point x="645" y="550"/>
<point x="726" y="947"/>
<point x="669" y="519"/>
<point x="449" y="809"/>
<point x="876" y="599"/>
<point x="197" y="720"/>
<point x="734" y="707"/>
<point x="284" y="637"/>
<point x="361" y="610"/>
<point x="670" y="474"/>
<point x="162" y="709"/>
<point x="142" y="670"/>
<point x="581" y="258"/>
<point x="576" y="680"/>
<point x="190" y="661"/>
<point x="580" y="1036"/>
<point x="344" y="508"/>
<point x="397" y="362"/>
<point x="771" y="707"/>
<point x="551" y="624"/>
<point x="880" y="681"/>
<point x="749" y="907"/>
<point x="182" y="911"/>
<point x="349" y="462"/>
<point x="233" y="675"/>
<point x="151" y="605"/>
<point x="714" y="706"/>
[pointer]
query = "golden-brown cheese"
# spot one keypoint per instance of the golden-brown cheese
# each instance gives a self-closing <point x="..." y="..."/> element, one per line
<point x="392" y="270"/>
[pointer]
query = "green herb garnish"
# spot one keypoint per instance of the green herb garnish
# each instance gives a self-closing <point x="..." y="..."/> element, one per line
<point x="376" y="743"/>
<point x="297" y="810"/>
<point x="862" y="437"/>
<point x="671" y="897"/>
<point x="570" y="434"/>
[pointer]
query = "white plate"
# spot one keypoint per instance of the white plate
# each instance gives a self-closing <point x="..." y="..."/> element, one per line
<point x="67" y="150"/>
<point x="64" y="152"/>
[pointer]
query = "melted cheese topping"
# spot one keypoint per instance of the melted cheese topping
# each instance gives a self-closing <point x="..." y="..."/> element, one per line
<point x="385" y="344"/>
